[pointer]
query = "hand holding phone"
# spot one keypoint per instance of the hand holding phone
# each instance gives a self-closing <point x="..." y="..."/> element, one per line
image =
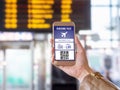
<point x="64" y="43"/>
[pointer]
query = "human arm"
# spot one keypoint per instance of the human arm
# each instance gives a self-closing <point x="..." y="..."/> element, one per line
<point x="83" y="72"/>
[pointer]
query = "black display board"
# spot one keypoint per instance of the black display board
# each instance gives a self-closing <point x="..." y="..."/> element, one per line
<point x="38" y="15"/>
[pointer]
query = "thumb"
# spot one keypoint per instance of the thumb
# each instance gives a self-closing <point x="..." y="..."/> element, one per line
<point x="78" y="44"/>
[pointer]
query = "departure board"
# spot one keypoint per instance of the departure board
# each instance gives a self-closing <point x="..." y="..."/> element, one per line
<point x="38" y="15"/>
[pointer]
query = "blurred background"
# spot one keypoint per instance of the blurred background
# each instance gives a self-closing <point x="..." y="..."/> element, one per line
<point x="25" y="32"/>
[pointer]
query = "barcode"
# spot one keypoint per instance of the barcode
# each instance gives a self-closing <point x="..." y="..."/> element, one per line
<point x="64" y="55"/>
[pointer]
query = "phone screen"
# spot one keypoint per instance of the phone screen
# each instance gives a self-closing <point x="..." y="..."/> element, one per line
<point x="64" y="42"/>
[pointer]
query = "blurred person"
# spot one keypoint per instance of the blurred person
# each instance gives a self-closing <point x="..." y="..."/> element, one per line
<point x="88" y="78"/>
<point x="108" y="66"/>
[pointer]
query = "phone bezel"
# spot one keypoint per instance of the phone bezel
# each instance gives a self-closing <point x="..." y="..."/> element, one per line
<point x="64" y="62"/>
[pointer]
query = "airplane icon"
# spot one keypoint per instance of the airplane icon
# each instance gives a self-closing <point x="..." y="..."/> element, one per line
<point x="63" y="34"/>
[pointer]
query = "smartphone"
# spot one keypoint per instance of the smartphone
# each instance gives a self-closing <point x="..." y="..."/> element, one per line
<point x="64" y="43"/>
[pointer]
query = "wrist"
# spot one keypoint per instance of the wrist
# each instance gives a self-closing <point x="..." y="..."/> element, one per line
<point x="84" y="73"/>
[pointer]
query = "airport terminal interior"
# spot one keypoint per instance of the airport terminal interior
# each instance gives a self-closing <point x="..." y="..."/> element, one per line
<point x="26" y="30"/>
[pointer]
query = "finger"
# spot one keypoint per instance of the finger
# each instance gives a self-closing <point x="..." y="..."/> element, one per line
<point x="53" y="59"/>
<point x="52" y="53"/>
<point x="52" y="42"/>
<point x="78" y="44"/>
<point x="52" y="50"/>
